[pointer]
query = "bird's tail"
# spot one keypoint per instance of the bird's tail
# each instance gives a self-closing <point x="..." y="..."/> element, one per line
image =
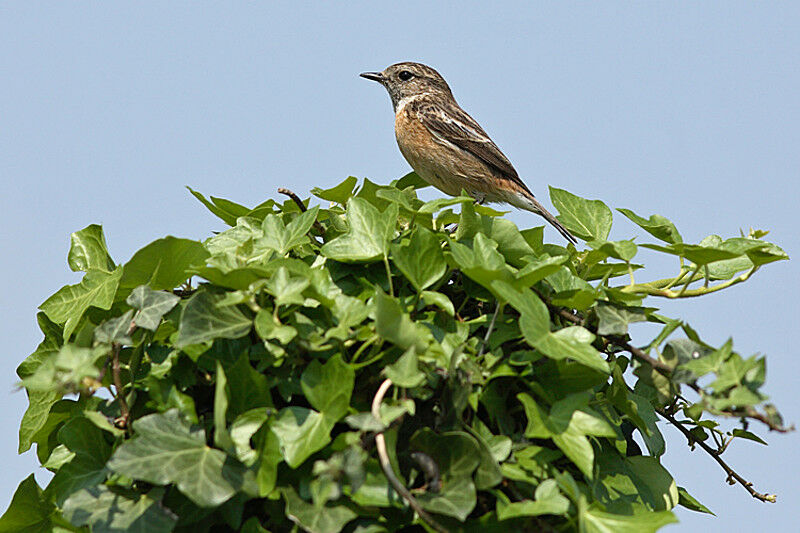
<point x="530" y="203"/>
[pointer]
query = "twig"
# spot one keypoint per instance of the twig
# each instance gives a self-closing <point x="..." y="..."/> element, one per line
<point x="386" y="465"/>
<point x="124" y="411"/>
<point x="733" y="477"/>
<point x="317" y="226"/>
<point x="490" y="328"/>
<point x="666" y="370"/>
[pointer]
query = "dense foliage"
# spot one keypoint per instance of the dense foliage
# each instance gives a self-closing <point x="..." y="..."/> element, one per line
<point x="227" y="385"/>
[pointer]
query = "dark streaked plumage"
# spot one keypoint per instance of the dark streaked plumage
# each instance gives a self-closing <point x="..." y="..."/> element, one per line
<point x="446" y="146"/>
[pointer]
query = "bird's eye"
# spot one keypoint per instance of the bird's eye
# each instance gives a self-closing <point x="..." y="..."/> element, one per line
<point x="405" y="75"/>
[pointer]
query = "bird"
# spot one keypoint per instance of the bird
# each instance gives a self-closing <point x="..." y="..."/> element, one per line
<point x="448" y="148"/>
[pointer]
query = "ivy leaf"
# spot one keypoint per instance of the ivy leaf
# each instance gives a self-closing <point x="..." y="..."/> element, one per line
<point x="113" y="510"/>
<point x="548" y="500"/>
<point x="404" y="372"/>
<point x="595" y="521"/>
<point x="29" y="511"/>
<point x="202" y="320"/>
<point x="115" y="329"/>
<point x="88" y="466"/>
<point x="328" y="387"/>
<point x="88" y="250"/>
<point x="314" y="518"/>
<point x="614" y="320"/>
<point x="368" y="235"/>
<point x="339" y="194"/>
<point x="688" y="501"/>
<point x="657" y="226"/>
<point x="151" y="306"/>
<point x="97" y="289"/>
<point x="163" y="264"/>
<point x="588" y="219"/>
<point x="166" y="449"/>
<point x="301" y="433"/>
<point x="282" y="238"/>
<point x="422" y="260"/>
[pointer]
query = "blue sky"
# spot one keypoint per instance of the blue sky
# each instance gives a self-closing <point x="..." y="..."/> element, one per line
<point x="687" y="110"/>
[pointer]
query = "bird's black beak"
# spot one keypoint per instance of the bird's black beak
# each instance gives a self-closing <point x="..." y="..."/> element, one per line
<point x="374" y="76"/>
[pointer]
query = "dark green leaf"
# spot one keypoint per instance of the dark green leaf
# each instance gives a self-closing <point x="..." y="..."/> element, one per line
<point x="166" y="449"/>
<point x="109" y="510"/>
<point x="203" y="320"/>
<point x="657" y="226"/>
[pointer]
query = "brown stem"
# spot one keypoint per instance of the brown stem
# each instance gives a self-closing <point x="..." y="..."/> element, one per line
<point x="386" y="465"/>
<point x="733" y="477"/>
<point x="124" y="411"/>
<point x="281" y="190"/>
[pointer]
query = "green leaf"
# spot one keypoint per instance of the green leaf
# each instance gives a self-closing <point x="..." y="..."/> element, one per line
<point x="699" y="255"/>
<point x="743" y="434"/>
<point x="457" y="455"/>
<point x="574" y="342"/>
<point x="688" y="501"/>
<point x="587" y="219"/>
<point x="88" y="250"/>
<point x="113" y="510"/>
<point x="29" y="511"/>
<point x="228" y="217"/>
<point x="282" y="238"/>
<point x="657" y="226"/>
<point x="368" y="235"/>
<point x="595" y="521"/>
<point x="549" y="500"/>
<point x="394" y="325"/>
<point x="614" y="320"/>
<point x="411" y="179"/>
<point x="222" y="438"/>
<point x="97" y="289"/>
<point x="313" y="518"/>
<point x="115" y="329"/>
<point x="203" y="320"/>
<point x="439" y="300"/>
<point x="339" y="194"/>
<point x="166" y="449"/>
<point x="243" y="429"/>
<point x="328" y="387"/>
<point x="624" y="250"/>
<point x="66" y="370"/>
<point x="641" y="476"/>
<point x="301" y="433"/>
<point x="88" y="466"/>
<point x="404" y="372"/>
<point x="163" y="264"/>
<point x="150" y="306"/>
<point x="421" y="260"/>
<point x="286" y="290"/>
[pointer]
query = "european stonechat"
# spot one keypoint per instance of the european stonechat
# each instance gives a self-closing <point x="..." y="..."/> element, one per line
<point x="446" y="146"/>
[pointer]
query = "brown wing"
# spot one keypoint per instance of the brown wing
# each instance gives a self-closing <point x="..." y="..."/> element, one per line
<point x="452" y="124"/>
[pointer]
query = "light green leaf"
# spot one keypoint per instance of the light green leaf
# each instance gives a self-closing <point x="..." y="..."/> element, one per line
<point x="97" y="289"/>
<point x="88" y="250"/>
<point x="228" y="217"/>
<point x="287" y="290"/>
<point x="151" y="306"/>
<point x="587" y="219"/>
<point x="394" y="325"/>
<point x="242" y="430"/>
<point x="614" y="320"/>
<point x="202" y="320"/>
<point x="328" y="387"/>
<point x="163" y="264"/>
<point x="368" y="235"/>
<point x="657" y="226"/>
<point x="549" y="500"/>
<point x="595" y="521"/>
<point x="222" y="438"/>
<point x="574" y="342"/>
<point x="404" y="372"/>
<point x="313" y="518"/>
<point x="282" y="238"/>
<point x="339" y="194"/>
<point x="422" y="260"/>
<point x="301" y="433"/>
<point x="166" y="449"/>
<point x="439" y="300"/>
<point x="115" y="329"/>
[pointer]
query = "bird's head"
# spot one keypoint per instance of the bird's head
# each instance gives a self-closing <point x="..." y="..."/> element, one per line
<point x="408" y="79"/>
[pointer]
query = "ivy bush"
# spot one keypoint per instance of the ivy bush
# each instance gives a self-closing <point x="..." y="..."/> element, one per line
<point x="276" y="376"/>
